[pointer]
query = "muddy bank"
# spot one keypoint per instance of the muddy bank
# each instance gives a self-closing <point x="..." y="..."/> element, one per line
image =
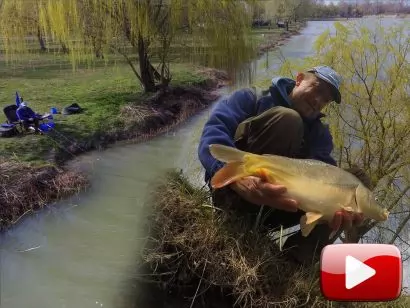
<point x="26" y="188"/>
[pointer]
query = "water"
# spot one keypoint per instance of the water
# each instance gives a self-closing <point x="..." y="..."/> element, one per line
<point x="81" y="253"/>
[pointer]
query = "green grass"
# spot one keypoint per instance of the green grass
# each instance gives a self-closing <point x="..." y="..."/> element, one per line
<point x="267" y="34"/>
<point x="46" y="83"/>
<point x="47" y="80"/>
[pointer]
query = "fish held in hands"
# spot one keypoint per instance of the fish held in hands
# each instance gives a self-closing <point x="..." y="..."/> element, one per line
<point x="320" y="189"/>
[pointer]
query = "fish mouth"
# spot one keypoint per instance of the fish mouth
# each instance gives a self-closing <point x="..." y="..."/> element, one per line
<point x="385" y="214"/>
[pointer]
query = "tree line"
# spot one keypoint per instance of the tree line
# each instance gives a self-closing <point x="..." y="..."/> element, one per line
<point x="359" y="8"/>
<point x="287" y="10"/>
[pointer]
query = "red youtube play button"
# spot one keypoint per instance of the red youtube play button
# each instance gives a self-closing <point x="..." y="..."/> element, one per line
<point x="361" y="272"/>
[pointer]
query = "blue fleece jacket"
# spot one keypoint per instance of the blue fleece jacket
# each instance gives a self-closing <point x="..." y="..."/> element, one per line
<point x="242" y="104"/>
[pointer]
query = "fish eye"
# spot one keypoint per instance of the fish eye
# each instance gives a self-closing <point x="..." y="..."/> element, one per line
<point x="376" y="199"/>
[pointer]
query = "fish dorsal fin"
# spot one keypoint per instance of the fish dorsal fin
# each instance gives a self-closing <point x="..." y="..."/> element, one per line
<point x="300" y="160"/>
<point x="308" y="222"/>
<point x="228" y="174"/>
<point x="226" y="154"/>
<point x="318" y="163"/>
<point x="360" y="196"/>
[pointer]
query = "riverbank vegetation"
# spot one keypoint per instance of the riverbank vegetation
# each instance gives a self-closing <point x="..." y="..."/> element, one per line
<point x="114" y="109"/>
<point x="117" y="62"/>
<point x="106" y="93"/>
<point x="201" y="256"/>
<point x="26" y="188"/>
<point x="132" y="88"/>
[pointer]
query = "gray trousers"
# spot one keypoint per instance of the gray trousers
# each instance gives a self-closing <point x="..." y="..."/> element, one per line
<point x="278" y="131"/>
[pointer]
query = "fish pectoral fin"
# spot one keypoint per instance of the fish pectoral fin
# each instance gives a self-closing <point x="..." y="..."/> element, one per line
<point x="308" y="222"/>
<point x="266" y="175"/>
<point x="313" y="217"/>
<point x="348" y="208"/>
<point x="228" y="174"/>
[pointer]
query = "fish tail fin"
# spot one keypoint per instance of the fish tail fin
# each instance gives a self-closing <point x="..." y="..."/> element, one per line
<point x="226" y="154"/>
<point x="228" y="174"/>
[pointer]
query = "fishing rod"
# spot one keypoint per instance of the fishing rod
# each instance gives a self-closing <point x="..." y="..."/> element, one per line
<point x="71" y="140"/>
<point x="61" y="146"/>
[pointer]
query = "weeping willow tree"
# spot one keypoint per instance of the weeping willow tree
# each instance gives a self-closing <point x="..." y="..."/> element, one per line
<point x="142" y="31"/>
<point x="27" y="17"/>
<point x="371" y="127"/>
<point x="271" y="7"/>
<point x="265" y="9"/>
<point x="292" y="9"/>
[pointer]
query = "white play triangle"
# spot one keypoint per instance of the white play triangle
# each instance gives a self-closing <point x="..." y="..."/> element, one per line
<point x="356" y="272"/>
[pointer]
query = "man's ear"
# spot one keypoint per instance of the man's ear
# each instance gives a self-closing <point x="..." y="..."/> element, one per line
<point x="299" y="78"/>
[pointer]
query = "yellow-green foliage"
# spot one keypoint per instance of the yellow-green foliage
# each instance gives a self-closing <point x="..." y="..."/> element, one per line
<point x="371" y="127"/>
<point x="292" y="9"/>
<point x="17" y="22"/>
<point x="83" y="26"/>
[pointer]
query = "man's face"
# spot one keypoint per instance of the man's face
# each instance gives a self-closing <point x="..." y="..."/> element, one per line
<point x="310" y="95"/>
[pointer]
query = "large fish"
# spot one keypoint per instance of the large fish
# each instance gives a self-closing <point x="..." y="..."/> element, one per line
<point x="320" y="189"/>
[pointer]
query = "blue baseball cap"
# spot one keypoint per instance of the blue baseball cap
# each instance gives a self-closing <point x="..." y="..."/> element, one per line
<point x="329" y="75"/>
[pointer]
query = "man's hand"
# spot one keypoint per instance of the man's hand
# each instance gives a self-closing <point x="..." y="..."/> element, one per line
<point x="346" y="220"/>
<point x="257" y="191"/>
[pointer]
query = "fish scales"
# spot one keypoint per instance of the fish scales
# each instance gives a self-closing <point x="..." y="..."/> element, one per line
<point x="320" y="189"/>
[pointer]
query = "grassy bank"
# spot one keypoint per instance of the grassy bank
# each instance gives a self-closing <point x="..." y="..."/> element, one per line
<point x="101" y="91"/>
<point x="199" y="256"/>
<point x="115" y="108"/>
<point x="268" y="38"/>
<point x="46" y="81"/>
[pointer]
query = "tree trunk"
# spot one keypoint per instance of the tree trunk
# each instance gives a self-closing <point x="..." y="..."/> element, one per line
<point x="146" y="69"/>
<point x="97" y="47"/>
<point x="41" y="40"/>
<point x="64" y="48"/>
